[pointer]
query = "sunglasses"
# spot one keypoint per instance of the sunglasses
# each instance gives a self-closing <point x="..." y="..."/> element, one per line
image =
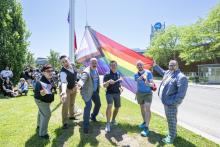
<point x="49" y="71"/>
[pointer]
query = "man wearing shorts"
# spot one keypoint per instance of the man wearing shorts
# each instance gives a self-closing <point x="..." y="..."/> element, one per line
<point x="144" y="79"/>
<point x="112" y="84"/>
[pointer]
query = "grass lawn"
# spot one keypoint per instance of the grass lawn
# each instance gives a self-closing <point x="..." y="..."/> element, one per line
<point x="18" y="122"/>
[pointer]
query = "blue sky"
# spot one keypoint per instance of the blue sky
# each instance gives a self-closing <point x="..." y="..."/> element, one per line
<point x="125" y="21"/>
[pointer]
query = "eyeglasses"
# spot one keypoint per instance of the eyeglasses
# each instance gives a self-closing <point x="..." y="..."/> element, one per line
<point x="172" y="65"/>
<point x="139" y="65"/>
<point x="49" y="71"/>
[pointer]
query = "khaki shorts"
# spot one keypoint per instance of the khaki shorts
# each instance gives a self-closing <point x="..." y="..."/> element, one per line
<point x="144" y="97"/>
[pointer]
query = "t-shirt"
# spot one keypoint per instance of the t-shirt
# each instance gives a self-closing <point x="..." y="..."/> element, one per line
<point x="141" y="86"/>
<point x="112" y="88"/>
<point x="95" y="78"/>
<point x="6" y="73"/>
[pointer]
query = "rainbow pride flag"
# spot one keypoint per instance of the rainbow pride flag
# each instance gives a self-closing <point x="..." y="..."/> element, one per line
<point x="104" y="49"/>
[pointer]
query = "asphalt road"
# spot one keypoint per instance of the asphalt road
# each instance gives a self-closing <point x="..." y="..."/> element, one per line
<point x="199" y="112"/>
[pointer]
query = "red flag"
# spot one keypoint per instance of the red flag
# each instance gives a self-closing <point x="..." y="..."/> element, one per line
<point x="75" y="43"/>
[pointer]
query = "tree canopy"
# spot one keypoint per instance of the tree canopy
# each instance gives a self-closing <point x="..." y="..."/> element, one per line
<point x="196" y="43"/>
<point x="53" y="59"/>
<point x="13" y="37"/>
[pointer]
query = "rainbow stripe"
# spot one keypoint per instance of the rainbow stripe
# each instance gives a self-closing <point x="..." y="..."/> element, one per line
<point x="104" y="49"/>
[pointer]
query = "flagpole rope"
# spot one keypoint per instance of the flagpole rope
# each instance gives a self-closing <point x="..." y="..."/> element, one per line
<point x="80" y="46"/>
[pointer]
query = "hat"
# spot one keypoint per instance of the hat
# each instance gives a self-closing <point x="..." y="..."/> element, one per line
<point x="22" y="79"/>
<point x="46" y="66"/>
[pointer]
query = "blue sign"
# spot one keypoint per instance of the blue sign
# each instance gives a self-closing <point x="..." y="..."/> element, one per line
<point x="157" y="26"/>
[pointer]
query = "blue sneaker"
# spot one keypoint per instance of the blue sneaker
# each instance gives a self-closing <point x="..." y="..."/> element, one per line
<point x="168" y="140"/>
<point x="142" y="126"/>
<point x="145" y="132"/>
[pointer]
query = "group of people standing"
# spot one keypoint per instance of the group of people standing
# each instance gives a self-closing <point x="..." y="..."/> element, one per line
<point x="172" y="90"/>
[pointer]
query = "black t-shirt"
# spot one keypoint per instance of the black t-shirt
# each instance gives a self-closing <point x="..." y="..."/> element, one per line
<point x="113" y="88"/>
<point x="8" y="85"/>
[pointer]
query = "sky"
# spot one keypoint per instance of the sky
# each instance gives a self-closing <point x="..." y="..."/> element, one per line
<point x="126" y="21"/>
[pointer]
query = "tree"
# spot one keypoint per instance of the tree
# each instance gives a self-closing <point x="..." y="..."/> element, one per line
<point x="13" y="37"/>
<point x="165" y="45"/>
<point x="53" y="59"/>
<point x="212" y="32"/>
<point x="30" y="60"/>
<point x="196" y="43"/>
<point x="200" y="42"/>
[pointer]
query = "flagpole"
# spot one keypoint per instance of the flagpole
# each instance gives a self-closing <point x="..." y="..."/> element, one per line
<point x="71" y="31"/>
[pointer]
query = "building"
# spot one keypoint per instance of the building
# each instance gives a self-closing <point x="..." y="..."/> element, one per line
<point x="41" y="61"/>
<point x="140" y="51"/>
<point x="209" y="73"/>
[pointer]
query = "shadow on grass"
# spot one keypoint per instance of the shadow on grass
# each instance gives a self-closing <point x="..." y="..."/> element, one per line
<point x="156" y="138"/>
<point x="36" y="141"/>
<point x="153" y="138"/>
<point x="57" y="106"/>
<point x="181" y="142"/>
<point x="62" y="135"/>
<point x="8" y="97"/>
<point x="116" y="135"/>
<point x="5" y="97"/>
<point x="94" y="131"/>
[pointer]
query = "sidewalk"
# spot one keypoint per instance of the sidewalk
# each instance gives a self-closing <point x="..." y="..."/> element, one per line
<point x="198" y="85"/>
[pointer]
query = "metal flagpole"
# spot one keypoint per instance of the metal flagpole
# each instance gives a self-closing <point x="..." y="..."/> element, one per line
<point x="71" y="31"/>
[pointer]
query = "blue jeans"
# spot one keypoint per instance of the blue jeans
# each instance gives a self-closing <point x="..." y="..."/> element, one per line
<point x="96" y="99"/>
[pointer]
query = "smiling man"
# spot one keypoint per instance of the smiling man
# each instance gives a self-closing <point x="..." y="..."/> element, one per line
<point x="68" y="77"/>
<point x="172" y="90"/>
<point x="89" y="85"/>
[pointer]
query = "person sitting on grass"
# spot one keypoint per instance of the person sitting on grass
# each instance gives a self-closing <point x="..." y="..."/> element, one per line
<point x="8" y="89"/>
<point x="22" y="87"/>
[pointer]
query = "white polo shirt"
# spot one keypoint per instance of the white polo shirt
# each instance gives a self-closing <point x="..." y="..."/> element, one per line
<point x="63" y="75"/>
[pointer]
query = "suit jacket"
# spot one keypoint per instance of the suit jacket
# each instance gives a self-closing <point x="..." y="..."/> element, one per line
<point x="175" y="89"/>
<point x="86" y="82"/>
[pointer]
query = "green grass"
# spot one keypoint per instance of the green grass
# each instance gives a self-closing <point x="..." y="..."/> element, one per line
<point x="18" y="123"/>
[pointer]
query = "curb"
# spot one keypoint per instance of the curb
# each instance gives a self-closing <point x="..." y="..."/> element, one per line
<point x="197" y="85"/>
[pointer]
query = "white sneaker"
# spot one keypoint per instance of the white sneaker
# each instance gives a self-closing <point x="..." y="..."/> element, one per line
<point x="107" y="127"/>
